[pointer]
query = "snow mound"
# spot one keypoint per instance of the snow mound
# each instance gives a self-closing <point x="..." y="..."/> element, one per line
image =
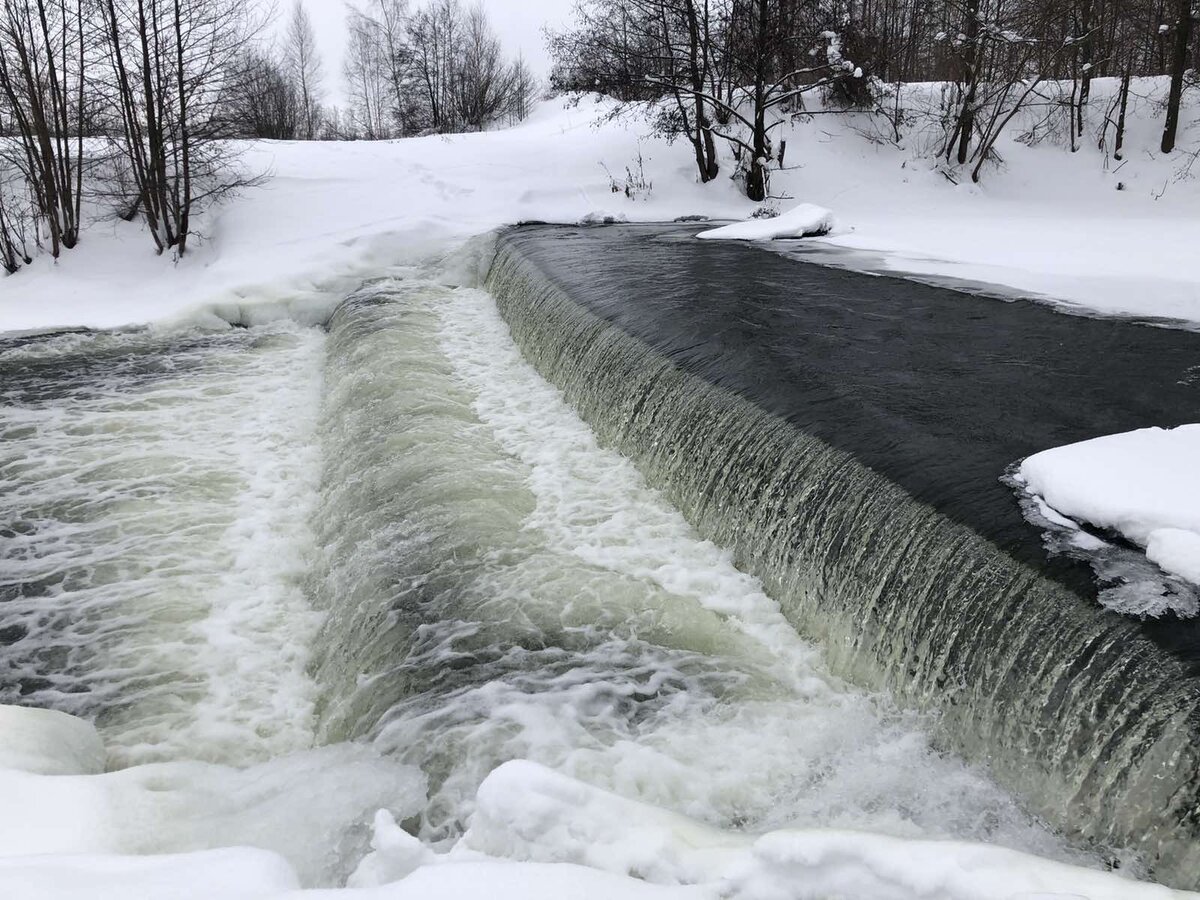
<point x="538" y="834"/>
<point x="469" y="879"/>
<point x="803" y="220"/>
<point x="530" y="813"/>
<point x="1176" y="550"/>
<point x="46" y="742"/>
<point x="1144" y="485"/>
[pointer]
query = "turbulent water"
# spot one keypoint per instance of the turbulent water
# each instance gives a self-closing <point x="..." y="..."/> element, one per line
<point x="1093" y="718"/>
<point x="374" y="564"/>
<point x="501" y="587"/>
<point x="155" y="497"/>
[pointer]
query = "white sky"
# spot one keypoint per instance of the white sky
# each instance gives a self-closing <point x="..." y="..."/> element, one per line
<point x="517" y="22"/>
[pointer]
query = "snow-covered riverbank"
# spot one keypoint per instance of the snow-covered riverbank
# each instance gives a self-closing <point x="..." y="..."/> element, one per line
<point x="1045" y="221"/>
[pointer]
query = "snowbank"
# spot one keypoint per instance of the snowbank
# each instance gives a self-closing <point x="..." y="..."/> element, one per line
<point x="803" y="220"/>
<point x="489" y="879"/>
<point x="241" y="873"/>
<point x="295" y="806"/>
<point x="1144" y="485"/>
<point x="46" y="742"/>
<point x="530" y="813"/>
<point x="334" y="213"/>
<point x="536" y="834"/>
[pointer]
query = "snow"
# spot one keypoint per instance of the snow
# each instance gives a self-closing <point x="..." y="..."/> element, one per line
<point x="241" y="873"/>
<point x="537" y="833"/>
<point x="1047" y="222"/>
<point x="1144" y="485"/>
<point x="1176" y="550"/>
<point x="295" y="806"/>
<point x="803" y="220"/>
<point x="557" y="826"/>
<point x="47" y="742"/>
<point x="499" y="880"/>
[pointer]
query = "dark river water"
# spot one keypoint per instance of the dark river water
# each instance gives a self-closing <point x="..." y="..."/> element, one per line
<point x="939" y="390"/>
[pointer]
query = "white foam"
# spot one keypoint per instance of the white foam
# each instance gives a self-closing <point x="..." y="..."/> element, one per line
<point x="161" y="499"/>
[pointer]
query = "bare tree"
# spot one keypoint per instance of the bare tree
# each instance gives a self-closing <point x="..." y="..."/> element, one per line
<point x="436" y="40"/>
<point x="172" y="62"/>
<point x="42" y="77"/>
<point x="642" y="50"/>
<point x="303" y="65"/>
<point x="483" y="80"/>
<point x="524" y="90"/>
<point x="18" y="218"/>
<point x="365" y="71"/>
<point x="264" y="101"/>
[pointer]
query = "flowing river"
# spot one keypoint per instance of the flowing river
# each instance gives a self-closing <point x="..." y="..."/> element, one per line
<point x="295" y="575"/>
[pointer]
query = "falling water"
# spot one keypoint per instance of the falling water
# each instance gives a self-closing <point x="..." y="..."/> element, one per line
<point x="1079" y="712"/>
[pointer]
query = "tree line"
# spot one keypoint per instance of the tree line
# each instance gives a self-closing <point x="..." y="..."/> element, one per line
<point x="731" y="72"/>
<point x="437" y="68"/>
<point x="137" y="105"/>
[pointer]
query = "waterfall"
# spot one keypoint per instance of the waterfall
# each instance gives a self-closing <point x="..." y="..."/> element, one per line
<point x="1076" y="710"/>
<point x="498" y="586"/>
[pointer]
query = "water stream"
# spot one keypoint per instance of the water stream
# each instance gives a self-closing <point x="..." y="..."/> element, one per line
<point x="361" y="567"/>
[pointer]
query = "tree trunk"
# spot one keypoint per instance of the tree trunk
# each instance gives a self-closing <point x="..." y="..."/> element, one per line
<point x="1179" y="58"/>
<point x="756" y="175"/>
<point x="1120" y="139"/>
<point x="966" y="119"/>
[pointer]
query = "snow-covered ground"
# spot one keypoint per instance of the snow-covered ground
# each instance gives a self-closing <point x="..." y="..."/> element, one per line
<point x="1047" y="221"/>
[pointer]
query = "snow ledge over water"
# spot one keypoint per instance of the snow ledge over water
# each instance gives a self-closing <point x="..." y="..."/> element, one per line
<point x="1143" y="485"/>
<point x="802" y="220"/>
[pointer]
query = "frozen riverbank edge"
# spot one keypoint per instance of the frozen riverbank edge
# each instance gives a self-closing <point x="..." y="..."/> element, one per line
<point x="535" y="834"/>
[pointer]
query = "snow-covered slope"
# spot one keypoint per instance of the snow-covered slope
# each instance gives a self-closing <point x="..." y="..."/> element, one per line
<point x="1045" y="221"/>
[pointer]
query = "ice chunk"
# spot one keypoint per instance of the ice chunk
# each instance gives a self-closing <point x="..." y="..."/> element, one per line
<point x="603" y="217"/>
<point x="394" y="854"/>
<point x="527" y="812"/>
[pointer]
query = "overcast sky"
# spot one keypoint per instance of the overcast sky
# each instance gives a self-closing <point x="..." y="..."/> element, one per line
<point x="517" y="22"/>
